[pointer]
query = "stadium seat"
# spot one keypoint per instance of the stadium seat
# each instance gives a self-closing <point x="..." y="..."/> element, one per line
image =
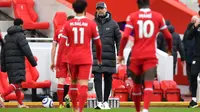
<point x="31" y="80"/>
<point x="158" y="93"/>
<point x="4" y="83"/>
<point x="121" y="72"/>
<point x="24" y="9"/>
<point x="129" y="86"/>
<point x="170" y="90"/>
<point x="59" y="20"/>
<point x="5" y="3"/>
<point x="119" y="90"/>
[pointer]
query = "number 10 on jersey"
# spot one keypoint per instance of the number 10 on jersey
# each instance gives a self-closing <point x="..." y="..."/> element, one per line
<point x="143" y="28"/>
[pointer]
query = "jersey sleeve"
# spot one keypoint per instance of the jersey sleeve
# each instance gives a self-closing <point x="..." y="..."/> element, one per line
<point x="162" y="24"/>
<point x="128" y="28"/>
<point x="55" y="38"/>
<point x="165" y="31"/>
<point x="95" y="31"/>
<point x="129" y="22"/>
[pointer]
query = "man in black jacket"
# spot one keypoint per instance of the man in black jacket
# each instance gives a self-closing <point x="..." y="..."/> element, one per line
<point x="189" y="49"/>
<point x="177" y="45"/>
<point x="110" y="36"/>
<point x="194" y="32"/>
<point x="161" y="41"/>
<point x="14" y="51"/>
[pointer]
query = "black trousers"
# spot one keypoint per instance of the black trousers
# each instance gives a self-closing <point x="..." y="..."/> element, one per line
<point x="188" y="70"/>
<point x="195" y="69"/>
<point x="98" y="85"/>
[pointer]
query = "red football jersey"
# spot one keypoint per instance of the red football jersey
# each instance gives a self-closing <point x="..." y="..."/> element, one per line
<point x="146" y="25"/>
<point x="57" y="35"/>
<point x="79" y="33"/>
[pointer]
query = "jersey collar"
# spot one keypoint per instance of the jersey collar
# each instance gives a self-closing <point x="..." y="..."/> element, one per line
<point x="145" y="9"/>
<point x="79" y="17"/>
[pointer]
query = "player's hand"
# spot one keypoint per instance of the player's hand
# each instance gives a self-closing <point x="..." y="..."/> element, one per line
<point x="182" y="63"/>
<point x="120" y="59"/>
<point x="169" y="52"/>
<point x="57" y="69"/>
<point x="53" y="66"/>
<point x="99" y="63"/>
<point x="197" y="23"/>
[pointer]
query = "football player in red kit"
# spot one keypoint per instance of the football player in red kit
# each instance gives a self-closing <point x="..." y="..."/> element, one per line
<point x="59" y="71"/>
<point x="145" y="24"/>
<point x="77" y="52"/>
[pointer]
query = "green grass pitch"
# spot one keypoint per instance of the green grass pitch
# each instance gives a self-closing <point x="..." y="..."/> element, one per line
<point x="92" y="110"/>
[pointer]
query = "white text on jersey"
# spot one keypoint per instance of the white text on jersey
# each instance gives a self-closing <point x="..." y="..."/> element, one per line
<point x="78" y="24"/>
<point x="145" y="15"/>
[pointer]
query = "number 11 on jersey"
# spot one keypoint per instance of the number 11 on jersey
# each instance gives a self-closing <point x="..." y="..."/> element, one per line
<point x="76" y="31"/>
<point x="77" y="36"/>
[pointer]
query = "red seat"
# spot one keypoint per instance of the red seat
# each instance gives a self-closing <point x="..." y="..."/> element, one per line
<point x="92" y="95"/>
<point x="31" y="79"/>
<point x="122" y="72"/>
<point x="158" y="93"/>
<point x="24" y="9"/>
<point x="4" y="85"/>
<point x="5" y="3"/>
<point x="170" y="90"/>
<point x="119" y="90"/>
<point x="59" y="20"/>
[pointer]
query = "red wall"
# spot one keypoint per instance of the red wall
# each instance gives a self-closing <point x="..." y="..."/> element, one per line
<point x="176" y="12"/>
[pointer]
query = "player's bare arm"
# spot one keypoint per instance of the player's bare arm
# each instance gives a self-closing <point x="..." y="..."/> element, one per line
<point x="53" y="53"/>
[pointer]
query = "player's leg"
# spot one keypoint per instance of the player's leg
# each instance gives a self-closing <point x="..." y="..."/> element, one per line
<point x="150" y="70"/>
<point x="98" y="89"/>
<point x="61" y="75"/>
<point x="10" y="89"/>
<point x="73" y="89"/>
<point x="135" y="71"/>
<point x="66" y="88"/>
<point x="19" y="99"/>
<point x="193" y="81"/>
<point x="60" y="91"/>
<point x="83" y="76"/>
<point x="107" y="89"/>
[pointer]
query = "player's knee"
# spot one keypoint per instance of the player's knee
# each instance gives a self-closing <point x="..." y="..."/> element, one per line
<point x="150" y="74"/>
<point x="74" y="81"/>
<point x="138" y="79"/>
<point x="83" y="82"/>
<point x="61" y="80"/>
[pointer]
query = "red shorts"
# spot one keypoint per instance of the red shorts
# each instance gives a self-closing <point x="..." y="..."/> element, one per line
<point x="80" y="72"/>
<point x="139" y="66"/>
<point x="63" y="71"/>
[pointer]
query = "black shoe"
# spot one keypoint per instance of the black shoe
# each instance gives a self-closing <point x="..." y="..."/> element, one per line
<point x="193" y="104"/>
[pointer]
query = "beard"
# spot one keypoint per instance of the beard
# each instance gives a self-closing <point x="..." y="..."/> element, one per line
<point x="102" y="15"/>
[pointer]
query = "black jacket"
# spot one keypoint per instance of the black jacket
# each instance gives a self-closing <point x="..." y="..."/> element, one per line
<point x="13" y="55"/>
<point x="188" y="45"/>
<point x="177" y="44"/>
<point x="194" y="32"/>
<point x="161" y="42"/>
<point x="110" y="35"/>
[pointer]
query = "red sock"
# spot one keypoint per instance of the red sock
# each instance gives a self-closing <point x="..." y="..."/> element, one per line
<point x="60" y="93"/>
<point x="10" y="89"/>
<point x="148" y="93"/>
<point x="136" y="96"/>
<point x="73" y="93"/>
<point x="18" y="95"/>
<point x="82" y="97"/>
